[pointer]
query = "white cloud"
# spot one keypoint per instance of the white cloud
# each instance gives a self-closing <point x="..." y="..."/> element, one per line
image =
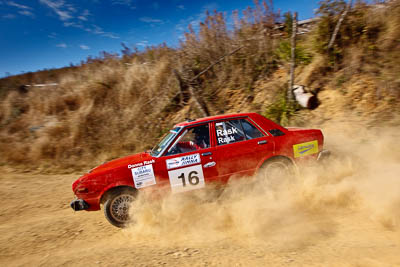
<point x="142" y="43"/>
<point x="194" y="20"/>
<point x="62" y="45"/>
<point x="150" y="20"/>
<point x="71" y="8"/>
<point x="63" y="15"/>
<point x="181" y="7"/>
<point x="68" y="24"/>
<point x="84" y="47"/>
<point x="73" y="24"/>
<point x="111" y="35"/>
<point x="99" y="31"/>
<point x="11" y="3"/>
<point x="60" y="8"/>
<point x="81" y="17"/>
<point x="22" y="10"/>
<point x="26" y="13"/>
<point x="127" y="3"/>
<point x="52" y="35"/>
<point x="121" y="2"/>
<point x="84" y="16"/>
<point x="67" y="13"/>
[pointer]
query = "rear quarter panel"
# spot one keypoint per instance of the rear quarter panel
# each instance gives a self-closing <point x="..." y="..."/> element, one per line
<point x="286" y="144"/>
<point x="303" y="144"/>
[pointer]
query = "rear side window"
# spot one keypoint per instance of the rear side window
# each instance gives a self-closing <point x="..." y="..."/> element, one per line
<point x="228" y="132"/>
<point x="276" y="132"/>
<point x="250" y="130"/>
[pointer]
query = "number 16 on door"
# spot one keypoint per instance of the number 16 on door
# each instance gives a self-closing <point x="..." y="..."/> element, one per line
<point x="186" y="179"/>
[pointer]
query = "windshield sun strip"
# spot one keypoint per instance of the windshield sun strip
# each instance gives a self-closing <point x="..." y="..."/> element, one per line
<point x="177" y="140"/>
<point x="175" y="132"/>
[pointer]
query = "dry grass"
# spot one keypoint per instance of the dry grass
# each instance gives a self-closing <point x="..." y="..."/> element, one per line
<point x="103" y="114"/>
<point x="106" y="108"/>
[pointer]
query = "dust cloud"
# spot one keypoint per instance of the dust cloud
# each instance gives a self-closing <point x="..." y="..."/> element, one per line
<point x="359" y="186"/>
<point x="343" y="213"/>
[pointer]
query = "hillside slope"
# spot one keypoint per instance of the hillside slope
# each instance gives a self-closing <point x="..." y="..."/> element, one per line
<point x="113" y="106"/>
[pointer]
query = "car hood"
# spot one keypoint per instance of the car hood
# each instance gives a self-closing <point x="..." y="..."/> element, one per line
<point x="123" y="162"/>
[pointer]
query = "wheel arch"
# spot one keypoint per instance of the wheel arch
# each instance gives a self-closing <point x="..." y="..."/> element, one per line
<point x="114" y="189"/>
<point x="278" y="157"/>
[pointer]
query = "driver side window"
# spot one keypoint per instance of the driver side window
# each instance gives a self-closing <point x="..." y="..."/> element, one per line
<point x="194" y="138"/>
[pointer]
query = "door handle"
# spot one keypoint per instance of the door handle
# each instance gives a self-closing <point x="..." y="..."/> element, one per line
<point x="262" y="142"/>
<point x="206" y="154"/>
<point x="209" y="164"/>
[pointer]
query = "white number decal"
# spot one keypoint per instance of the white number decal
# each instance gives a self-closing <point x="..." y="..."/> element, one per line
<point x="186" y="179"/>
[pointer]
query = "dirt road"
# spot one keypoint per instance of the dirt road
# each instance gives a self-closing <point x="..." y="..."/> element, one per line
<point x="345" y="214"/>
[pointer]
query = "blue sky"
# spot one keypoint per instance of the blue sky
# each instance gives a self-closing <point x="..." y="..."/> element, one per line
<point x="39" y="34"/>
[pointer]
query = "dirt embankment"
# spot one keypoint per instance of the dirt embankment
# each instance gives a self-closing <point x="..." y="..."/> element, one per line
<point x="346" y="213"/>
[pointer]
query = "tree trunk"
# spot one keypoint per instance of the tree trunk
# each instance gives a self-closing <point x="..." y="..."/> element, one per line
<point x="201" y="106"/>
<point x="183" y="89"/>
<point x="183" y="85"/>
<point x="292" y="60"/>
<point x="338" y="24"/>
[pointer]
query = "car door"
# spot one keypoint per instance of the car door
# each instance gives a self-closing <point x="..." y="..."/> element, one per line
<point x="188" y="163"/>
<point x="240" y="147"/>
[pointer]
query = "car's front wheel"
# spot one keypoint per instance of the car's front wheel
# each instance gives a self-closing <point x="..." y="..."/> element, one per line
<point x="116" y="206"/>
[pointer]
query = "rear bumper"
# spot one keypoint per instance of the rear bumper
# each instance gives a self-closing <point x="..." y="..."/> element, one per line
<point x="79" y="204"/>
<point x="323" y="155"/>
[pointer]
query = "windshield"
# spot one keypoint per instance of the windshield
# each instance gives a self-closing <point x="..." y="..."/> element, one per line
<point x="156" y="151"/>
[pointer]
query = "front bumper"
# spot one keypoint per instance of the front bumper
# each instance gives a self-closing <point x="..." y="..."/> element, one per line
<point x="79" y="204"/>
<point x="323" y="155"/>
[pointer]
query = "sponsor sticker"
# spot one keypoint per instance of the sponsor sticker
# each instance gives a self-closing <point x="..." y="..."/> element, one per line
<point x="146" y="162"/>
<point x="143" y="176"/>
<point x="305" y="149"/>
<point x="183" y="161"/>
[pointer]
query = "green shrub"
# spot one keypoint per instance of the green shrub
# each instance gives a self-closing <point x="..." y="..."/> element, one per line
<point x="280" y="110"/>
<point x="284" y="53"/>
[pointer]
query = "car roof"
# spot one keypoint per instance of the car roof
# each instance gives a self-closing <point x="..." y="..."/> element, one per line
<point x="214" y="118"/>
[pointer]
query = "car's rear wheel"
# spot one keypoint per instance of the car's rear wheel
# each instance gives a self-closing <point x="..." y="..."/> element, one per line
<point x="117" y="204"/>
<point x="277" y="172"/>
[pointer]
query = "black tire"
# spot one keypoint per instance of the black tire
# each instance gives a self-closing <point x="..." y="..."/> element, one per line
<point x="277" y="171"/>
<point x="117" y="204"/>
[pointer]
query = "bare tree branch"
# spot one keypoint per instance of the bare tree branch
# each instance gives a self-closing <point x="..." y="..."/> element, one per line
<point x="339" y="23"/>
<point x="293" y="59"/>
<point x="215" y="63"/>
<point x="201" y="105"/>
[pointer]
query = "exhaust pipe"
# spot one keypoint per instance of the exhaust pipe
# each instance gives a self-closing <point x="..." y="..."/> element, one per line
<point x="79" y="204"/>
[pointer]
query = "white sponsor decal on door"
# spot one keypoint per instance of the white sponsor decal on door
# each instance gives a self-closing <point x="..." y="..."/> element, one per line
<point x="146" y="162"/>
<point x="186" y="179"/>
<point x="183" y="161"/>
<point x="143" y="176"/>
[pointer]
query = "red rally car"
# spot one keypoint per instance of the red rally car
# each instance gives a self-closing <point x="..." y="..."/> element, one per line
<point x="193" y="154"/>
